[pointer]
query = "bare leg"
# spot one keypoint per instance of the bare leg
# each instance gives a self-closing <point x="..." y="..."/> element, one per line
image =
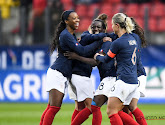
<point x="55" y="98"/>
<point x="83" y="114"/>
<point x="137" y="112"/>
<point x="78" y="107"/>
<point x="88" y="102"/>
<point x="97" y="116"/>
<point x="133" y="104"/>
<point x="114" y="105"/>
<point x="55" y="101"/>
<point x="100" y="100"/>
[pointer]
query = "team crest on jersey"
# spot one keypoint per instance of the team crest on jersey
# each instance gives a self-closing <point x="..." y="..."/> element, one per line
<point x="132" y="42"/>
<point x="76" y="44"/>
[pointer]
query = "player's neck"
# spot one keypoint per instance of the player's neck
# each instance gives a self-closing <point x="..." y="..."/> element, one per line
<point x="70" y="30"/>
<point x="121" y="32"/>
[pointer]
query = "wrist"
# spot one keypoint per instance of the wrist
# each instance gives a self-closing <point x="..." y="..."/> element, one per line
<point x="96" y="55"/>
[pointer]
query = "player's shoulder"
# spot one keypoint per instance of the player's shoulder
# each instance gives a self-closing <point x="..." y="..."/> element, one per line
<point x="118" y="40"/>
<point x="106" y="44"/>
<point x="84" y="34"/>
<point x="65" y="32"/>
<point x="136" y="36"/>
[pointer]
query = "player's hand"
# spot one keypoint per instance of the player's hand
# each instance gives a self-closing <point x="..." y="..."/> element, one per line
<point x="97" y="55"/>
<point x="71" y="55"/>
<point x="78" y="39"/>
<point x="107" y="39"/>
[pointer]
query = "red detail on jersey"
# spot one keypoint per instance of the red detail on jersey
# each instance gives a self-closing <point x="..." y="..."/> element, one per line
<point x="101" y="50"/>
<point x="110" y="54"/>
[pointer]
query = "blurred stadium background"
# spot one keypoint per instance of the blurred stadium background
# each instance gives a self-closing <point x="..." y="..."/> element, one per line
<point x="26" y="30"/>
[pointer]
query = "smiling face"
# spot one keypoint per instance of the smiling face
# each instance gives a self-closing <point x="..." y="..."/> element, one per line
<point x="73" y="21"/>
<point x="97" y="27"/>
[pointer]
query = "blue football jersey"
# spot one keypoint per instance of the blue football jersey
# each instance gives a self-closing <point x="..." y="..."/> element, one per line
<point x="125" y="50"/>
<point x="68" y="42"/>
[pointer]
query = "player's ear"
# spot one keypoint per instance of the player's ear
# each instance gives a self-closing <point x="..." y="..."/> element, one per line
<point x="66" y="21"/>
<point x="117" y="24"/>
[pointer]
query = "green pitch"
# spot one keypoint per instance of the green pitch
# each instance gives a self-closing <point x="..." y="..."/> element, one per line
<point x="29" y="114"/>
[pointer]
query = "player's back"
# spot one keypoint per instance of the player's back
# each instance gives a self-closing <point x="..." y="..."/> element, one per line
<point x="125" y="49"/>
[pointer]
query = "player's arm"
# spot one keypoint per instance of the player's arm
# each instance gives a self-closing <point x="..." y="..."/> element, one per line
<point x="140" y="67"/>
<point x="78" y="48"/>
<point x="106" y="58"/>
<point x="88" y="38"/>
<point x="72" y="55"/>
<point x="110" y="55"/>
<point x="113" y="36"/>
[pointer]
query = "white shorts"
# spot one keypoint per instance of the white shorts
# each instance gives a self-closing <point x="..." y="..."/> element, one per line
<point x="141" y="87"/>
<point x="123" y="91"/>
<point x="136" y="95"/>
<point x="105" y="86"/>
<point x="56" y="80"/>
<point x="80" y="88"/>
<point x="142" y="84"/>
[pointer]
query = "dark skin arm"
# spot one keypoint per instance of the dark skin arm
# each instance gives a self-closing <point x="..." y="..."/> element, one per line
<point x="91" y="61"/>
<point x="72" y="55"/>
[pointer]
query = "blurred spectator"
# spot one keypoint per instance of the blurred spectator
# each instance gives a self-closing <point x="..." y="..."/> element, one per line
<point x="86" y="1"/>
<point x="38" y="21"/>
<point x="56" y="9"/>
<point x="24" y="18"/>
<point x="163" y="1"/>
<point x="136" y="1"/>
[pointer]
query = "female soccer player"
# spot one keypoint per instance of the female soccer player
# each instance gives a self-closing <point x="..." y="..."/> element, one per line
<point x="138" y="33"/>
<point x="125" y="49"/>
<point x="108" y="77"/>
<point x="59" y="73"/>
<point x="102" y="92"/>
<point x="81" y="85"/>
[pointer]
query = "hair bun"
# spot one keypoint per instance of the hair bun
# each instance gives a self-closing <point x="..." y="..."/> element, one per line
<point x="102" y="17"/>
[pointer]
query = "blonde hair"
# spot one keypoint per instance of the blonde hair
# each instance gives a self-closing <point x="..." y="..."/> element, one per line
<point x="124" y="22"/>
<point x="102" y="17"/>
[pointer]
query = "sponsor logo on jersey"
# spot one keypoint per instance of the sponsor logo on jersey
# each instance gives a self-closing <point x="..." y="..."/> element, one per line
<point x="132" y="42"/>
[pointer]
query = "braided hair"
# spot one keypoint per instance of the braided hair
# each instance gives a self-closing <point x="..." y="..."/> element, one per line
<point x="61" y="26"/>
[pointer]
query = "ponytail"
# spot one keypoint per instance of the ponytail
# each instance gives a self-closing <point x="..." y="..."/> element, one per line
<point x="129" y="25"/>
<point x="124" y="22"/>
<point x="61" y="26"/>
<point x="55" y="43"/>
<point x="140" y="32"/>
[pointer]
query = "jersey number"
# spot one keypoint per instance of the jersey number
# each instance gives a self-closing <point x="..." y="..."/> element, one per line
<point x="134" y="56"/>
<point x="101" y="86"/>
